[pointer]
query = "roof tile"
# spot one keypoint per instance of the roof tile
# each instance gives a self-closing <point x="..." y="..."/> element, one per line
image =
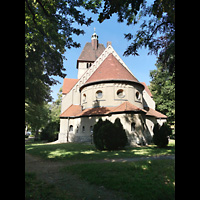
<point x="111" y="69"/>
<point x="68" y="84"/>
<point x="154" y="113"/>
<point x="89" y="53"/>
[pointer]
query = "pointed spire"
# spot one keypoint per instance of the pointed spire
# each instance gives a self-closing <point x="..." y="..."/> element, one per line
<point x="94" y="39"/>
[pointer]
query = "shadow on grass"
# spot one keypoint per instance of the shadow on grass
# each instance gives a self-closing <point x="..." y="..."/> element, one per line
<point x="78" y="151"/>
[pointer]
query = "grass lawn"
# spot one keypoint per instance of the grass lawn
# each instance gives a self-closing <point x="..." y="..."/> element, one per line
<point x="141" y="180"/>
<point x="39" y="190"/>
<point x="79" y="151"/>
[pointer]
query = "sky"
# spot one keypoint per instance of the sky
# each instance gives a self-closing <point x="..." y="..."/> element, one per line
<point x="109" y="30"/>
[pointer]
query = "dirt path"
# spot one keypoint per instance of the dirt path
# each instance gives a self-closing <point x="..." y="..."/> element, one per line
<point x="49" y="172"/>
<point x="79" y="189"/>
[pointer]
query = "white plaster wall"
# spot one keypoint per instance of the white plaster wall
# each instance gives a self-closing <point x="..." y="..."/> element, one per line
<point x="62" y="136"/>
<point x="148" y="101"/>
<point x="140" y="135"/>
<point x="82" y="68"/>
<point x="110" y="97"/>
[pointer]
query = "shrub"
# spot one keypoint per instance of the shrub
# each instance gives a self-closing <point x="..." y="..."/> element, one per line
<point x="109" y="136"/>
<point x="121" y="136"/>
<point x="156" y="134"/>
<point x="97" y="136"/>
<point x="50" y="132"/>
<point x="161" y="134"/>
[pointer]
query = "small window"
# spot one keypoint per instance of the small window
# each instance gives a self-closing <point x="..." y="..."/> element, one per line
<point x="77" y="130"/>
<point x="99" y="94"/>
<point x="120" y="93"/>
<point x="137" y="95"/>
<point x="91" y="129"/>
<point x="133" y="126"/>
<point x="83" y="129"/>
<point x="84" y="97"/>
<point x="70" y="128"/>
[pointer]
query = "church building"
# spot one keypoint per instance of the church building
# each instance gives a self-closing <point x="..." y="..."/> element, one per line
<point x="106" y="88"/>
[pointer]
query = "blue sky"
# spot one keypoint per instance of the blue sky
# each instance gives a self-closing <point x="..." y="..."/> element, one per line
<point x="109" y="30"/>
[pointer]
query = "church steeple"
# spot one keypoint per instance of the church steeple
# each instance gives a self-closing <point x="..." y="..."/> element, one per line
<point x="91" y="51"/>
<point x="94" y="40"/>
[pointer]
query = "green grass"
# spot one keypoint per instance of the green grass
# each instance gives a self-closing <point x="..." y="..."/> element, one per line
<point x="39" y="190"/>
<point x="79" y="151"/>
<point x="141" y="180"/>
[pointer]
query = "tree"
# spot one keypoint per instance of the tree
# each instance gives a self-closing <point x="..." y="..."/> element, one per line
<point x="55" y="108"/>
<point x="51" y="130"/>
<point x="157" y="34"/>
<point x="36" y="116"/>
<point x="48" y="32"/>
<point x="162" y="87"/>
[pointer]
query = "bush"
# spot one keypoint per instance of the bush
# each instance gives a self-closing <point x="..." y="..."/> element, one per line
<point x="97" y="136"/>
<point x="109" y="136"/>
<point x="156" y="134"/>
<point x="161" y="135"/>
<point x="50" y="132"/>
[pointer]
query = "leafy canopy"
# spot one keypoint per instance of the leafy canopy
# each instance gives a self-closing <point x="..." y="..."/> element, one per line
<point x="49" y="26"/>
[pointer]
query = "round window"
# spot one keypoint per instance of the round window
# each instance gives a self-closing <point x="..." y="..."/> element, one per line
<point x="137" y="95"/>
<point x="99" y="94"/>
<point x="120" y="93"/>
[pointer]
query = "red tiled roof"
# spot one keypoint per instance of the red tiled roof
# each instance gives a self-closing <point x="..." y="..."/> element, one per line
<point x="111" y="69"/>
<point x="75" y="110"/>
<point x="68" y="84"/>
<point x="127" y="106"/>
<point x="152" y="112"/>
<point x="89" y="53"/>
<point x="95" y="111"/>
<point x="72" y="111"/>
<point x="147" y="89"/>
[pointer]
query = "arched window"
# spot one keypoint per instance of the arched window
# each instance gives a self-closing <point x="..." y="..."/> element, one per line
<point x="70" y="128"/>
<point x="84" y="97"/>
<point x="83" y="129"/>
<point x="99" y="94"/>
<point x="133" y="126"/>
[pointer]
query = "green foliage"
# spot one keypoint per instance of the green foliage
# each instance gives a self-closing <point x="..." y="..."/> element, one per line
<point x="50" y="132"/>
<point x="36" y="116"/>
<point x="49" y="26"/>
<point x="161" y="135"/>
<point x="156" y="134"/>
<point x="97" y="137"/>
<point x="108" y="135"/>
<point x="39" y="117"/>
<point x="162" y="87"/>
<point x="157" y="34"/>
<point x="121" y="138"/>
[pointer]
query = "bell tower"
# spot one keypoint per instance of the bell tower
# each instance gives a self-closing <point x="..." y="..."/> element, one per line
<point x="91" y="51"/>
